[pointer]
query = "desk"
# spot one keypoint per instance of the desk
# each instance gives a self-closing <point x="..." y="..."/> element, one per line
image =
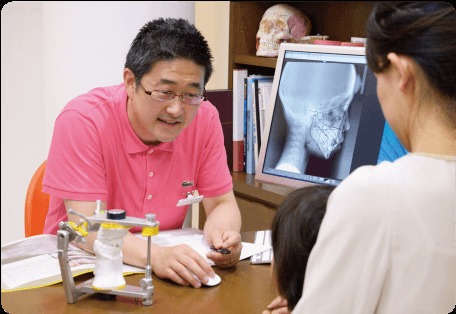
<point x="245" y="288"/>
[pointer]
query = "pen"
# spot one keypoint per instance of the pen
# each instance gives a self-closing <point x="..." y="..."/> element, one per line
<point x="222" y="250"/>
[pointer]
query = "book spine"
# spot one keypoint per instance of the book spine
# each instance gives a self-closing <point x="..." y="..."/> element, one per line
<point x="249" y="161"/>
<point x="238" y="119"/>
<point x="257" y="108"/>
<point x="255" y="122"/>
<point x="261" y="107"/>
<point x="263" y="96"/>
<point x="245" y="124"/>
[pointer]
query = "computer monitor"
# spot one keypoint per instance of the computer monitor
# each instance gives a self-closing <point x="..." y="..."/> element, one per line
<point x="323" y="120"/>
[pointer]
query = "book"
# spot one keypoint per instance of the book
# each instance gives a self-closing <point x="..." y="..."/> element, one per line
<point x="245" y="124"/>
<point x="259" y="107"/>
<point x="248" y="129"/>
<point x="238" y="119"/>
<point x="251" y="134"/>
<point x="255" y="122"/>
<point x="33" y="262"/>
<point x="264" y="93"/>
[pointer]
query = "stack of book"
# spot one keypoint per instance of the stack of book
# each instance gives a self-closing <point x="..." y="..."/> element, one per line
<point x="250" y="101"/>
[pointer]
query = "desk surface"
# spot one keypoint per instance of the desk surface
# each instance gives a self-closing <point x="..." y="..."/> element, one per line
<point x="245" y="288"/>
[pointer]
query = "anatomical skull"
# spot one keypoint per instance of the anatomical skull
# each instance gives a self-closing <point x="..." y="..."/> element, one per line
<point x="280" y="23"/>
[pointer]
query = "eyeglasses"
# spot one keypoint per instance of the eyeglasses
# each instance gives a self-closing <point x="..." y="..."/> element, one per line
<point x="167" y="96"/>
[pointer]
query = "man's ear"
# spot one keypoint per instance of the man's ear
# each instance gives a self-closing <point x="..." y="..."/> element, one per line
<point x="403" y="68"/>
<point x="129" y="81"/>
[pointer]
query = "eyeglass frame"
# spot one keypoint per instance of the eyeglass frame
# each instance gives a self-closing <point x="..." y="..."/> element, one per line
<point x="167" y="92"/>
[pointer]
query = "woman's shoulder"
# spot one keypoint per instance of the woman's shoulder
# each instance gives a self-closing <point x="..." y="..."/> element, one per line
<point x="410" y="172"/>
<point x="370" y="174"/>
<point x="400" y="169"/>
<point x="369" y="183"/>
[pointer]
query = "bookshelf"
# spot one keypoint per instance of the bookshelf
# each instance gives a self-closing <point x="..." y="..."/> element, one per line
<point x="340" y="21"/>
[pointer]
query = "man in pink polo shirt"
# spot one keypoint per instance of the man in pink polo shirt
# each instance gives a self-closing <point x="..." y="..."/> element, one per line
<point x="142" y="146"/>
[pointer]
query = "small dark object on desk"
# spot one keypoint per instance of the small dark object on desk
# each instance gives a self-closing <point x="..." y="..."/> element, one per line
<point x="222" y="250"/>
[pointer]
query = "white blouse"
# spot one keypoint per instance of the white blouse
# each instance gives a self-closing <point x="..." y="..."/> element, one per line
<point x="387" y="243"/>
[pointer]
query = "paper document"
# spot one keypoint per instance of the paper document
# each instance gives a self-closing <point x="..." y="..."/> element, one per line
<point x="194" y="238"/>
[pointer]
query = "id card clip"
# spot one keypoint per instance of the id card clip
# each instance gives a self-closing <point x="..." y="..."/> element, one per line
<point x="190" y="199"/>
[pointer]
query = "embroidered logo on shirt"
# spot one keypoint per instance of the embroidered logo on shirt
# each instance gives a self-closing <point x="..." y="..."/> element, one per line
<point x="186" y="184"/>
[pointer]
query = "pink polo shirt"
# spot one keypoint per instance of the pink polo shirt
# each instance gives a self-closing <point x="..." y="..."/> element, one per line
<point x="95" y="155"/>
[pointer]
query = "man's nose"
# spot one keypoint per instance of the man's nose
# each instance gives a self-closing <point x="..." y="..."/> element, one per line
<point x="176" y="107"/>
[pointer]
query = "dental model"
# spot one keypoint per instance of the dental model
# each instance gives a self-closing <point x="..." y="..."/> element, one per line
<point x="108" y="251"/>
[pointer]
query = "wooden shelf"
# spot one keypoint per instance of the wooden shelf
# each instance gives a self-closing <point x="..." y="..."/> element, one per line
<point x="255" y="61"/>
<point x="245" y="186"/>
<point x="340" y="20"/>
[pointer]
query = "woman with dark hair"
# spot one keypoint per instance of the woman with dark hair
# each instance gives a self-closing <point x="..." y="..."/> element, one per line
<point x="387" y="241"/>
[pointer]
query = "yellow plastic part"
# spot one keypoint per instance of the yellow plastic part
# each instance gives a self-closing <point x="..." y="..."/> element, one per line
<point x="113" y="225"/>
<point x="108" y="289"/>
<point x="81" y="228"/>
<point x="149" y="231"/>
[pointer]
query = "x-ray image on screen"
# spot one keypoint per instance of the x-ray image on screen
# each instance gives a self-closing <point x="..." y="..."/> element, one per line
<point x="317" y="118"/>
<point x="315" y="99"/>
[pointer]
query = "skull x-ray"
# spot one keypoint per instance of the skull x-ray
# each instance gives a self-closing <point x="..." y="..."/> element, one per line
<point x="315" y="98"/>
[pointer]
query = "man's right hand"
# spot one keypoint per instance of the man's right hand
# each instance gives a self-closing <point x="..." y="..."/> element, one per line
<point x="179" y="263"/>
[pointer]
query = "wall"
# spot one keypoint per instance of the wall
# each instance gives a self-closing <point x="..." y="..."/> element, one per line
<point x="53" y="51"/>
<point x="212" y="18"/>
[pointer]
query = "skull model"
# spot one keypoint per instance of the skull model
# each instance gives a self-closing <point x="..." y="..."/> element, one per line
<point x="280" y="23"/>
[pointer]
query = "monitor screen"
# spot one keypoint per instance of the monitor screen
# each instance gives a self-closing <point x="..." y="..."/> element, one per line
<point x="323" y="120"/>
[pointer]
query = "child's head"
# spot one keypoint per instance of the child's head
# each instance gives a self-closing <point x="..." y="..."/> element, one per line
<point x="294" y="232"/>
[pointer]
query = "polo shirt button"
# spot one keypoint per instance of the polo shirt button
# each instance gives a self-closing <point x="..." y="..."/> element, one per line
<point x="149" y="196"/>
<point x="151" y="174"/>
<point x="151" y="151"/>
